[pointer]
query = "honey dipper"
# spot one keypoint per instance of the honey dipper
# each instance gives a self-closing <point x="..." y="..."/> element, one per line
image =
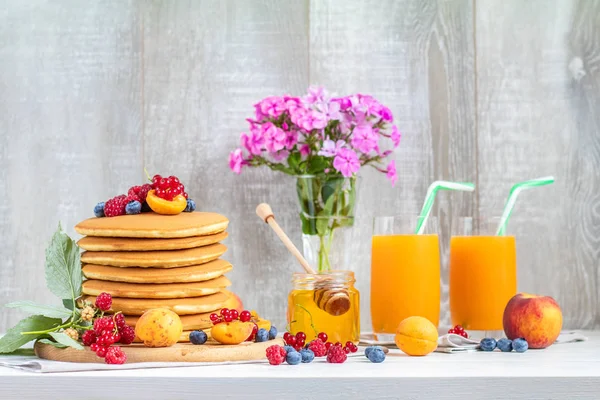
<point x="328" y="297"/>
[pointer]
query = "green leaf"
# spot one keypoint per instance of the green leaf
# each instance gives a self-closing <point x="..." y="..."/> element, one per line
<point x="317" y="164"/>
<point x="63" y="266"/>
<point x="69" y="304"/>
<point x="55" y="344"/>
<point x="62" y="338"/>
<point x="19" y="352"/>
<point x="13" y="338"/>
<point x="294" y="161"/>
<point x="308" y="225"/>
<point x="39" y="309"/>
<point x="322" y="223"/>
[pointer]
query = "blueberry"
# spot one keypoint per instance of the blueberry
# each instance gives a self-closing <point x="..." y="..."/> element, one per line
<point x="520" y="345"/>
<point x="198" y="337"/>
<point x="191" y="206"/>
<point x="99" y="210"/>
<point x="288" y="349"/>
<point x="262" y="335"/>
<point x="293" y="358"/>
<point x="307" y="355"/>
<point x="272" y="333"/>
<point x="376" y="355"/>
<point x="504" y="345"/>
<point x="369" y="349"/>
<point x="133" y="207"/>
<point x="487" y="344"/>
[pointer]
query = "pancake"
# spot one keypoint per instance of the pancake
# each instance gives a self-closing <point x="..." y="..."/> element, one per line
<point x="155" y="290"/>
<point x="190" y="305"/>
<point x="190" y="322"/>
<point x="193" y="273"/>
<point x="152" y="225"/>
<point x="95" y="243"/>
<point x="156" y="259"/>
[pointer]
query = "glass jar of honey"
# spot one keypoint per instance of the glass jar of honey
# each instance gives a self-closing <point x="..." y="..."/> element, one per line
<point x="326" y="302"/>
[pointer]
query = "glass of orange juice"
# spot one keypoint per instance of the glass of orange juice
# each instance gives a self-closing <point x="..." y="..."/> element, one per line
<point x="405" y="273"/>
<point x="483" y="273"/>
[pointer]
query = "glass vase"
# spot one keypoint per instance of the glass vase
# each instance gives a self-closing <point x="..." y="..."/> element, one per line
<point x="327" y="206"/>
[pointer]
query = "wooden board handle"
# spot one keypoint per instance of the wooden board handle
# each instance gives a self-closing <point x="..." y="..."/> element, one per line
<point x="265" y="213"/>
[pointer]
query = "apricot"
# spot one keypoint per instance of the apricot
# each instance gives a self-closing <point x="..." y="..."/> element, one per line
<point x="234" y="332"/>
<point x="166" y="207"/>
<point x="159" y="327"/>
<point x="416" y="336"/>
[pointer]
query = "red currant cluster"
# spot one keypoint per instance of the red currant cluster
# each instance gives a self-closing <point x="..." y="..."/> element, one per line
<point x="108" y="330"/>
<point x="228" y="315"/>
<point x="320" y="346"/>
<point x="168" y="188"/>
<point x="297" y="341"/>
<point x="458" y="330"/>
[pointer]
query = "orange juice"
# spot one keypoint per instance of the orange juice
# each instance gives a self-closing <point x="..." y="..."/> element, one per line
<point x="405" y="280"/>
<point x="483" y="277"/>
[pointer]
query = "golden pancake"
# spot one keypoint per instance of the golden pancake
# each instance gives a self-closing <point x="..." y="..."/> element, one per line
<point x="155" y="259"/>
<point x="152" y="225"/>
<point x="95" y="243"/>
<point x="193" y="273"/>
<point x="155" y="290"/>
<point x="191" y="305"/>
<point x="190" y="322"/>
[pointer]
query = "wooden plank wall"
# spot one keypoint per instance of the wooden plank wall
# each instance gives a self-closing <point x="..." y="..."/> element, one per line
<point x="487" y="91"/>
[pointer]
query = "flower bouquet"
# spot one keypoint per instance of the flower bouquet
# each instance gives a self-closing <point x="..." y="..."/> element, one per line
<point x="323" y="141"/>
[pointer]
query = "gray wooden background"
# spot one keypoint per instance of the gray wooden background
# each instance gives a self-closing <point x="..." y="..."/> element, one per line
<point x="487" y="91"/>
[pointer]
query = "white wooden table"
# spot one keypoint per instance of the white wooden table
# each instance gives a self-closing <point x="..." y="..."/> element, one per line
<point x="564" y="371"/>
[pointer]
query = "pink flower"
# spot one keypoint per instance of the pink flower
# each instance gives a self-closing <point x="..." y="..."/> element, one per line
<point x="364" y="139"/>
<point x="329" y="111"/>
<point x="331" y="148"/>
<point x="344" y="102"/>
<point x="316" y="94"/>
<point x="386" y="114"/>
<point x="391" y="172"/>
<point x="254" y="142"/>
<point x="368" y="105"/>
<point x="310" y="119"/>
<point x="304" y="150"/>
<point x="236" y="161"/>
<point x="346" y="162"/>
<point x="275" y="138"/>
<point x="280" y="155"/>
<point x="291" y="103"/>
<point x="271" y="106"/>
<point x="291" y="138"/>
<point x="395" y="135"/>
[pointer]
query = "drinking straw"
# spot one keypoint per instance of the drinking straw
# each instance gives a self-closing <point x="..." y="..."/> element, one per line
<point x="512" y="198"/>
<point x="430" y="198"/>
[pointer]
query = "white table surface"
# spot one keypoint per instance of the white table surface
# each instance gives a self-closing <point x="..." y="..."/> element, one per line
<point x="563" y="371"/>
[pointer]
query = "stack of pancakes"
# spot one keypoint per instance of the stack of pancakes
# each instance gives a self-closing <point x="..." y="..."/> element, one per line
<point x="149" y="261"/>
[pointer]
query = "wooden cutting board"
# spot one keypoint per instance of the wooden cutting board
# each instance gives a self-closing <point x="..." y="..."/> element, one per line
<point x="180" y="352"/>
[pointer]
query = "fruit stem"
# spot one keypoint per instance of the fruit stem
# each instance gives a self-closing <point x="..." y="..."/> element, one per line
<point x="311" y="318"/>
<point x="147" y="175"/>
<point x="68" y="324"/>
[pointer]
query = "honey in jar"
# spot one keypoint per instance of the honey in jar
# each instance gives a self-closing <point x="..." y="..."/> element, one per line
<point x="309" y="308"/>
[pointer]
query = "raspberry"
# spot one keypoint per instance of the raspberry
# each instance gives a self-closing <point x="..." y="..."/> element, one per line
<point x="127" y="334"/>
<point x="87" y="314"/>
<point x="72" y="333"/>
<point x="276" y="354"/>
<point x="99" y="350"/>
<point x="115" y="355"/>
<point x="336" y="355"/>
<point x="115" y="206"/>
<point x="104" y="324"/>
<point x="104" y="301"/>
<point x="107" y="338"/>
<point x="88" y="337"/>
<point x="317" y="347"/>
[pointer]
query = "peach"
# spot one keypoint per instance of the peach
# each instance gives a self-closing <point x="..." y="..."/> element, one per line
<point x="234" y="332"/>
<point x="416" y="336"/>
<point x="537" y="319"/>
<point x="233" y="302"/>
<point x="159" y="327"/>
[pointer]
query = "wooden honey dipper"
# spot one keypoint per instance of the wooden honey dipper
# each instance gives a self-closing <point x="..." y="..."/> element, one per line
<point x="328" y="297"/>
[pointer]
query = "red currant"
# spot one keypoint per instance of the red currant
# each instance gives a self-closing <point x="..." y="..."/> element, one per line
<point x="227" y="317"/>
<point x="301" y="336"/>
<point x="337" y="344"/>
<point x="245" y="316"/>
<point x="234" y="314"/>
<point x="464" y="334"/>
<point x="328" y="345"/>
<point x="185" y="195"/>
<point x="174" y="179"/>
<point x="156" y="179"/>
<point x="292" y="341"/>
<point x="354" y="349"/>
<point x="253" y="334"/>
<point x="451" y="330"/>
<point x="162" y="184"/>
<point x="300" y="342"/>
<point x="347" y="350"/>
<point x="286" y="337"/>
<point x="458" y="328"/>
<point x="323" y="337"/>
<point x="349" y="344"/>
<point x="214" y="318"/>
<point x="224" y="311"/>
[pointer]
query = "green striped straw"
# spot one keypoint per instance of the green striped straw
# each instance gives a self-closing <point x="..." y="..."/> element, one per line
<point x="430" y="198"/>
<point x="512" y="198"/>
